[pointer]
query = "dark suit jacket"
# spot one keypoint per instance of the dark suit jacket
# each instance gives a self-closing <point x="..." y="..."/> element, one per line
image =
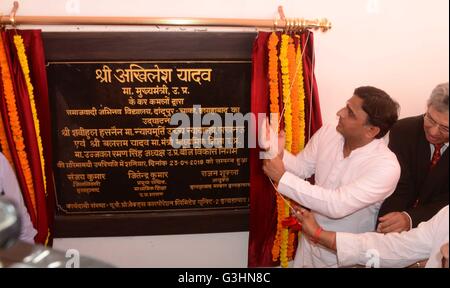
<point x="417" y="181"/>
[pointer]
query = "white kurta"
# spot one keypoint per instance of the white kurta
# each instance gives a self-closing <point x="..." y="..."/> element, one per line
<point x="10" y="188"/>
<point x="348" y="191"/>
<point x="396" y="249"/>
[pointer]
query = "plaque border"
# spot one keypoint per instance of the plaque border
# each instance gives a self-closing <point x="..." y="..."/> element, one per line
<point x="111" y="46"/>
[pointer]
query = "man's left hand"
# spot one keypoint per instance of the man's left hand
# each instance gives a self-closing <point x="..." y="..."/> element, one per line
<point x="274" y="168"/>
<point x="393" y="222"/>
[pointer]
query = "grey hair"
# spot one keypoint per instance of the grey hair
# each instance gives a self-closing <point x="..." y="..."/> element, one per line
<point x="439" y="98"/>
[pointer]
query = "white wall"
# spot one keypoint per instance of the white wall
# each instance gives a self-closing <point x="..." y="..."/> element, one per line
<point x="401" y="46"/>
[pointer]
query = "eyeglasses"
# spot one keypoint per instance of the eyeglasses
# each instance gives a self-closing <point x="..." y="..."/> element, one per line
<point x="431" y="122"/>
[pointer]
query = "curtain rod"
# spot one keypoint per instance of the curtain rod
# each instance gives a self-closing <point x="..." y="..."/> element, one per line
<point x="288" y="24"/>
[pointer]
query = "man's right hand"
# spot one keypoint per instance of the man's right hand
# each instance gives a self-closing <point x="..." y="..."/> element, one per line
<point x="307" y="220"/>
<point x="269" y="141"/>
<point x="393" y="222"/>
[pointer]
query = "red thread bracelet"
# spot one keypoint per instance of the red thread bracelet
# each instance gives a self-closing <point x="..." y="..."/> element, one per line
<point x="315" y="239"/>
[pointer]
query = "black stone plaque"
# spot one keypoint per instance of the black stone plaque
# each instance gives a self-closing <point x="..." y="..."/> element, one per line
<point x="116" y="169"/>
<point x="113" y="146"/>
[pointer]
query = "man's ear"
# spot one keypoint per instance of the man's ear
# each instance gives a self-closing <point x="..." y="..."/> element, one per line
<point x="372" y="131"/>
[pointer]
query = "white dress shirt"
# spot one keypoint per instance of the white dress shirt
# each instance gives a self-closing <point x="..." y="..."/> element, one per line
<point x="348" y="191"/>
<point x="443" y="148"/>
<point x="9" y="189"/>
<point x="396" y="249"/>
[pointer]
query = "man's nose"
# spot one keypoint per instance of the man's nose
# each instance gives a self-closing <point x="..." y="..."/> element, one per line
<point x="434" y="131"/>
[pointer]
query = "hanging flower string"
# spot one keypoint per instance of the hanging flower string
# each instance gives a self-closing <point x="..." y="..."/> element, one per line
<point x="15" y="126"/>
<point x="286" y="90"/>
<point x="273" y="81"/>
<point x="277" y="241"/>
<point x="4" y="143"/>
<point x="275" y="110"/>
<point x="18" y="41"/>
<point x="301" y="93"/>
<point x="288" y="130"/>
<point x="295" y="126"/>
<point x="294" y="97"/>
<point x="294" y="119"/>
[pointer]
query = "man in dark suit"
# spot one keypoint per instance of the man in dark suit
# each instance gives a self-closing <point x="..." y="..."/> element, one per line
<point x="420" y="144"/>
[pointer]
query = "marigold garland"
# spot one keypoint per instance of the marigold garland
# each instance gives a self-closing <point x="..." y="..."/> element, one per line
<point x="277" y="241"/>
<point x="4" y="143"/>
<point x="288" y="133"/>
<point x="286" y="91"/>
<point x="273" y="81"/>
<point x="274" y="111"/>
<point x="293" y="69"/>
<point x="298" y="119"/>
<point x="294" y="118"/>
<point x="47" y="239"/>
<point x="291" y="246"/>
<point x="15" y="125"/>
<point x="295" y="124"/>
<point x="284" y="259"/>
<point x="301" y="98"/>
<point x="18" y="40"/>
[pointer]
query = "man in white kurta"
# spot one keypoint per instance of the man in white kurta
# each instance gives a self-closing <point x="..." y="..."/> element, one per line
<point x="428" y="241"/>
<point x="397" y="249"/>
<point x="354" y="172"/>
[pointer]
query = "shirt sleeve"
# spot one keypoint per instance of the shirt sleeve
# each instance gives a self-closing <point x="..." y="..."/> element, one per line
<point x="409" y="219"/>
<point x="303" y="165"/>
<point x="12" y="192"/>
<point x="389" y="250"/>
<point x="375" y="184"/>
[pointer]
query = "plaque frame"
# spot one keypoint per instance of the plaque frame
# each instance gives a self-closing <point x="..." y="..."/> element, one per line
<point x="110" y="46"/>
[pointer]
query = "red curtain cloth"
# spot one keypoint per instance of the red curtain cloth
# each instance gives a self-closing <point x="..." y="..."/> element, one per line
<point x="313" y="95"/>
<point x="42" y="218"/>
<point x="263" y="217"/>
